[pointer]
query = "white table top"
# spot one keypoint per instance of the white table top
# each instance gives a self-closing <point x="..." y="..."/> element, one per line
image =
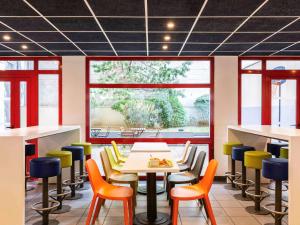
<point x="268" y="131"/>
<point x="137" y="162"/>
<point x="150" y="147"/>
<point x="36" y="131"/>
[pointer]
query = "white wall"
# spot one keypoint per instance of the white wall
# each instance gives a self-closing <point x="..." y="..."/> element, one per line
<point x="226" y="104"/>
<point x="73" y="91"/>
<point x="226" y="99"/>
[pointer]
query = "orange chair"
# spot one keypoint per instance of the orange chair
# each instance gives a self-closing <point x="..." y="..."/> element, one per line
<point x="103" y="190"/>
<point x="196" y="192"/>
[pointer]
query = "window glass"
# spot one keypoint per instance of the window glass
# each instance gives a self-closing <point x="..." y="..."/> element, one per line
<point x="283" y="64"/>
<point x="5" y="93"/>
<point x="16" y="65"/>
<point x="251" y="99"/>
<point x="48" y="99"/>
<point x="150" y="112"/>
<point x="23" y="104"/>
<point x="48" y="65"/>
<point x="146" y="72"/>
<point x="251" y="65"/>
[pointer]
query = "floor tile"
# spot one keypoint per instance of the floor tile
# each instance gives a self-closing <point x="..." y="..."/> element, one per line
<point x="247" y="220"/>
<point x="236" y="212"/>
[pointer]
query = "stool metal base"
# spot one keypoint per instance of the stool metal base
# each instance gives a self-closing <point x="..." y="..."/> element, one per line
<point x="84" y="188"/>
<point x="161" y="219"/>
<point x="142" y="189"/>
<point x="51" y="222"/>
<point x="241" y="198"/>
<point x="64" y="209"/>
<point x="76" y="197"/>
<point x="251" y="210"/>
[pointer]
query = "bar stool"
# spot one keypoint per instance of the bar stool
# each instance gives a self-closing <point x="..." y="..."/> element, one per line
<point x="73" y="183"/>
<point x="87" y="147"/>
<point x="227" y="150"/>
<point x="243" y="183"/>
<point x="253" y="159"/>
<point x="60" y="193"/>
<point x="274" y="148"/>
<point x="276" y="169"/>
<point x="44" y="168"/>
<point x="284" y="152"/>
<point x="29" y="151"/>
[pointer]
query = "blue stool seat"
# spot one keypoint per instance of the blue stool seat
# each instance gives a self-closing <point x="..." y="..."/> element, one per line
<point x="275" y="169"/>
<point x="44" y="167"/>
<point x="77" y="152"/>
<point x="274" y="148"/>
<point x="29" y="149"/>
<point x="238" y="152"/>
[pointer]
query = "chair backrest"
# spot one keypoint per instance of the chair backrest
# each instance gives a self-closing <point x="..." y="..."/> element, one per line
<point x="106" y="164"/>
<point x="209" y="175"/>
<point x="95" y="177"/>
<point x="116" y="150"/>
<point x="186" y="150"/>
<point x="111" y="158"/>
<point x="191" y="157"/>
<point x="197" y="169"/>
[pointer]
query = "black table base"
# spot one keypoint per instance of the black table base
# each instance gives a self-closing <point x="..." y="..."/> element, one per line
<point x="142" y="189"/>
<point x="151" y="217"/>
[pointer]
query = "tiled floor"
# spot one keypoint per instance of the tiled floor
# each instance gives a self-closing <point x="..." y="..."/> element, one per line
<point x="228" y="210"/>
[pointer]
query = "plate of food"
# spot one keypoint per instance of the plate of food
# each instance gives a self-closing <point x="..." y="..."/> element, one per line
<point x="159" y="163"/>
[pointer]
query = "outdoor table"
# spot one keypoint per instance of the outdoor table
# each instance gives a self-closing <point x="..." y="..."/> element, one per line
<point x="137" y="162"/>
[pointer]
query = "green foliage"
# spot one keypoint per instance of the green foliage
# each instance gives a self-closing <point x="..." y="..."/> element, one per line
<point x="202" y="104"/>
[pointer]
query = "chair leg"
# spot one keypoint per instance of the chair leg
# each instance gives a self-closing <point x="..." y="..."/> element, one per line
<point x="91" y="210"/>
<point x="175" y="212"/>
<point x="131" y="208"/>
<point x="126" y="212"/>
<point x="209" y="210"/>
<point x="171" y="185"/>
<point x="97" y="210"/>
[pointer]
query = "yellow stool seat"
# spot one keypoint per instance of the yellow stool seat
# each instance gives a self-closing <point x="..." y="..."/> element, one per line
<point x="253" y="159"/>
<point x="227" y="147"/>
<point x="284" y="152"/>
<point x="64" y="156"/>
<point x="86" y="146"/>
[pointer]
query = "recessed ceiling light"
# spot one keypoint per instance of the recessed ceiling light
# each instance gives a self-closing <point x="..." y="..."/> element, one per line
<point x="24" y="46"/>
<point x="170" y="25"/>
<point x="167" y="38"/>
<point x="6" y="37"/>
<point x="165" y="47"/>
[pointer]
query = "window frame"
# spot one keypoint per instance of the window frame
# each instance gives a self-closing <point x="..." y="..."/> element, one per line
<point x="267" y="76"/>
<point x="207" y="140"/>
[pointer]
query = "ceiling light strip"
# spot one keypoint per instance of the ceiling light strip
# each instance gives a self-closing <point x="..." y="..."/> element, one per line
<point x="274" y="53"/>
<point x="5" y="46"/>
<point x="99" y="25"/>
<point x="249" y="17"/>
<point x="193" y="26"/>
<point x="146" y="26"/>
<point x="48" y="21"/>
<point x="270" y="36"/>
<point x="4" y="24"/>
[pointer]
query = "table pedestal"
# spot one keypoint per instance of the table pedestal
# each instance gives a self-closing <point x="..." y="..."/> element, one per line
<point x="151" y="217"/>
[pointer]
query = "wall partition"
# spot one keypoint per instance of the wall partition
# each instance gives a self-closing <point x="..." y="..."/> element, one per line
<point x="149" y="99"/>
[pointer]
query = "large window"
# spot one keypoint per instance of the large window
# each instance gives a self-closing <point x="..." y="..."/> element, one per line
<point x="149" y="99"/>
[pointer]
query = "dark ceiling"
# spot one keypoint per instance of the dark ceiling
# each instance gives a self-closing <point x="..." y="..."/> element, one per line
<point x="138" y="27"/>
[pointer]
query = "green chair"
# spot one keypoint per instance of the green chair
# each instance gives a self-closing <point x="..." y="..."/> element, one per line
<point x="253" y="159"/>
<point x="87" y="151"/>
<point x="284" y="152"/>
<point x="120" y="157"/>
<point x="60" y="193"/>
<point x="227" y="150"/>
<point x="114" y="164"/>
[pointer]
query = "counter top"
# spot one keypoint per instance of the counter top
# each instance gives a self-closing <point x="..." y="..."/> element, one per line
<point x="36" y="131"/>
<point x="281" y="133"/>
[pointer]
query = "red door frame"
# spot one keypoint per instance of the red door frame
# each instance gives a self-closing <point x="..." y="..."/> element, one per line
<point x="209" y="141"/>
<point x="267" y="76"/>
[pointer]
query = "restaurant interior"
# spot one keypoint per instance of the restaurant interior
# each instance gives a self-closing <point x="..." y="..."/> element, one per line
<point x="150" y="112"/>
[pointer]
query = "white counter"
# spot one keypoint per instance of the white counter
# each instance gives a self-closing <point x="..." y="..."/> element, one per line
<point x="12" y="164"/>
<point x="258" y="136"/>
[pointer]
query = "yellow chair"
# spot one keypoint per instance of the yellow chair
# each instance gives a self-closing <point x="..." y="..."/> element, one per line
<point x="120" y="157"/>
<point x="185" y="152"/>
<point x="114" y="164"/>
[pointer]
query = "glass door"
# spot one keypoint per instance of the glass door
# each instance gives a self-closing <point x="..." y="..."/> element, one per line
<point x="14" y="102"/>
<point x="284" y="107"/>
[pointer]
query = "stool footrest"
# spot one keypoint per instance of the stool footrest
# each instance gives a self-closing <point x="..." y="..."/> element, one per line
<point x="261" y="196"/>
<point x="40" y="210"/>
<point x="240" y="183"/>
<point x="69" y="182"/>
<point x="232" y="177"/>
<point x="273" y="212"/>
<point x="53" y="193"/>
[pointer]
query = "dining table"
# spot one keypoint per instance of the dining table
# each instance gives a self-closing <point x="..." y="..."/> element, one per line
<point x="137" y="162"/>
